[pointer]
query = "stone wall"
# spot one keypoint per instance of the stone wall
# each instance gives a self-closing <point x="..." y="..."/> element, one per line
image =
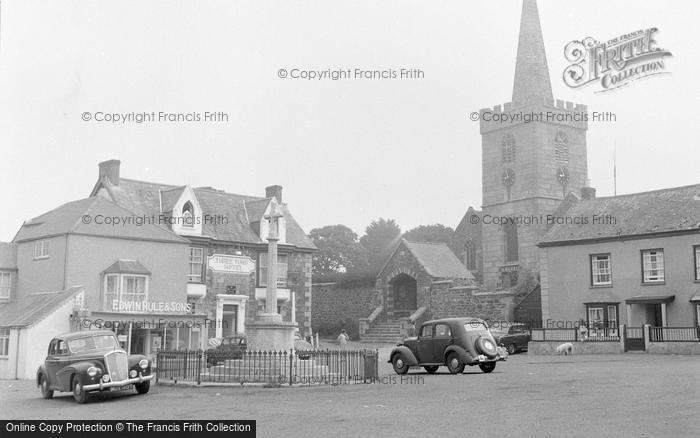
<point x="674" y="348"/>
<point x="455" y="299"/>
<point x="337" y="305"/>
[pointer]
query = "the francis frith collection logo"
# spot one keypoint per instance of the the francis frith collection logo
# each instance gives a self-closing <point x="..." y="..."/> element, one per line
<point x="616" y="62"/>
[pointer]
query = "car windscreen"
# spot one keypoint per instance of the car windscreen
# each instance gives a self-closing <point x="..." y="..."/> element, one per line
<point x="92" y="343"/>
<point x="475" y="326"/>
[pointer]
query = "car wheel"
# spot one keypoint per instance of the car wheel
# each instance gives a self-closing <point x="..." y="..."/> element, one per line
<point x="486" y="346"/>
<point x="453" y="363"/>
<point x="45" y="391"/>
<point x="487" y="367"/>
<point x="79" y="395"/>
<point x="142" y="388"/>
<point x="431" y="368"/>
<point x="512" y="349"/>
<point x="399" y="363"/>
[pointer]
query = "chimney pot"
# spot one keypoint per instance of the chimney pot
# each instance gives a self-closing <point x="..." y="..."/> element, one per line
<point x="110" y="169"/>
<point x="274" y="191"/>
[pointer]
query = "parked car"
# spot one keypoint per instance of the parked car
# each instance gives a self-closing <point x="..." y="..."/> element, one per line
<point x="452" y="342"/>
<point x="230" y="347"/>
<point x="91" y="361"/>
<point x="515" y="339"/>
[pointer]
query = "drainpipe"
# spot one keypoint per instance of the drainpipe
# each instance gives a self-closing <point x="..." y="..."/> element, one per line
<point x="19" y="332"/>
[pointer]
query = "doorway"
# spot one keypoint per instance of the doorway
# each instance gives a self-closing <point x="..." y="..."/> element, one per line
<point x="405" y="293"/>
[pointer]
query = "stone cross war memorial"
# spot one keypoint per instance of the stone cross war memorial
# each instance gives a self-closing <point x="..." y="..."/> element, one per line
<point x="352" y="219"/>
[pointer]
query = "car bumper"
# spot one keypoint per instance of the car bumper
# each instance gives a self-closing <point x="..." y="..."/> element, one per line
<point x="111" y="384"/>
<point x="501" y="355"/>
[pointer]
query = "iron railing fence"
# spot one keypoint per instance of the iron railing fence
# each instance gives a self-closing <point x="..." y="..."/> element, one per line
<point x="273" y="367"/>
<point x="574" y="335"/>
<point x="674" y="334"/>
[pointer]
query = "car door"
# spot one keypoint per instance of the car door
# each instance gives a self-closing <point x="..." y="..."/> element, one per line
<point x="51" y="364"/>
<point x="441" y="339"/>
<point x="424" y="345"/>
<point x="523" y="338"/>
<point x="63" y="360"/>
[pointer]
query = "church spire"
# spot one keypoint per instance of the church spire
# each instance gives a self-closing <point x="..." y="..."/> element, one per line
<point x="531" y="72"/>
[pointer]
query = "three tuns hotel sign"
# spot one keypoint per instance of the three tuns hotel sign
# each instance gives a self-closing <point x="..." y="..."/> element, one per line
<point x="231" y="263"/>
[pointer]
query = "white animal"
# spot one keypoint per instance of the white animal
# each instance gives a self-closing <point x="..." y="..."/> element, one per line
<point x="566" y="348"/>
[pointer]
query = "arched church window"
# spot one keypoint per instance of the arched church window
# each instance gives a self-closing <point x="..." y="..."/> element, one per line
<point x="510" y="230"/>
<point x="188" y="215"/>
<point x="561" y="148"/>
<point x="470" y="255"/>
<point x="509" y="154"/>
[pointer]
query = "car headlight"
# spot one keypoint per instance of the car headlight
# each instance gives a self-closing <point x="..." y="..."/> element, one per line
<point x="105" y="378"/>
<point x="93" y="371"/>
<point x="132" y="373"/>
<point x="143" y="363"/>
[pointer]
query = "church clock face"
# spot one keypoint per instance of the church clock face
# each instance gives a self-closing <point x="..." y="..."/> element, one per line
<point x="563" y="176"/>
<point x="508" y="177"/>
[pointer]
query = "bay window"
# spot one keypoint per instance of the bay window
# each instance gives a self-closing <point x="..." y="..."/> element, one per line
<point x="124" y="290"/>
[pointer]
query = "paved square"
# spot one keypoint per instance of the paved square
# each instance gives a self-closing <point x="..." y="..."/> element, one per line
<point x="605" y="395"/>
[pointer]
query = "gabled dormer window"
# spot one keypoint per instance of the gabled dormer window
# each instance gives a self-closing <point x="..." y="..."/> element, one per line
<point x="188" y="215"/>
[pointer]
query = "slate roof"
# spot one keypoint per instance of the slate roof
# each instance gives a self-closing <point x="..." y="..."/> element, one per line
<point x="658" y="211"/>
<point x="438" y="260"/>
<point x="240" y="210"/>
<point x="127" y="266"/>
<point x="68" y="219"/>
<point x="31" y="309"/>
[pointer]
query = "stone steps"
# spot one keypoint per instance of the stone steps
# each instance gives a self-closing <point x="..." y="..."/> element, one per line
<point x="384" y="332"/>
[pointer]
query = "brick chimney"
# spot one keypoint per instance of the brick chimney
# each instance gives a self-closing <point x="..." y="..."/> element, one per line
<point x="110" y="169"/>
<point x="587" y="192"/>
<point x="275" y="191"/>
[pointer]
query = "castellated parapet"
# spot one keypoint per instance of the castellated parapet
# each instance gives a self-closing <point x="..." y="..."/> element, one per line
<point x="556" y="112"/>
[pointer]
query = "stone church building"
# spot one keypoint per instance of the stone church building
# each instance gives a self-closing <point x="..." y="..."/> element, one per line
<point x="528" y="166"/>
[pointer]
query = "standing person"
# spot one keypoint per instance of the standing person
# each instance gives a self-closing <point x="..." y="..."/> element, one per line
<point x="343" y="339"/>
<point x="411" y="331"/>
<point x="582" y="331"/>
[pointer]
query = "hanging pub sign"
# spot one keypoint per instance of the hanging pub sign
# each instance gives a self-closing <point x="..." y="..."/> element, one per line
<point x="233" y="264"/>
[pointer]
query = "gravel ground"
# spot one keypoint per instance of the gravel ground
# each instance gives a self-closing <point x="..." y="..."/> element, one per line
<point x="636" y="395"/>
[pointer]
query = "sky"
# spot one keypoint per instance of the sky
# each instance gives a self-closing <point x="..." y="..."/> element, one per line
<point x="346" y="151"/>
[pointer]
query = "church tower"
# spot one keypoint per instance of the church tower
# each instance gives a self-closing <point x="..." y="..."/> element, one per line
<point x="534" y="153"/>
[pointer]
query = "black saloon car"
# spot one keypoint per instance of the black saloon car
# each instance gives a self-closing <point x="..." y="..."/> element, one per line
<point x="516" y="339"/>
<point x="231" y="347"/>
<point x="91" y="361"/>
<point x="452" y="342"/>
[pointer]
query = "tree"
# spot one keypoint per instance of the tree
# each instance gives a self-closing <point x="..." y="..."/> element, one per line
<point x="380" y="237"/>
<point x="430" y="233"/>
<point x="338" y="252"/>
